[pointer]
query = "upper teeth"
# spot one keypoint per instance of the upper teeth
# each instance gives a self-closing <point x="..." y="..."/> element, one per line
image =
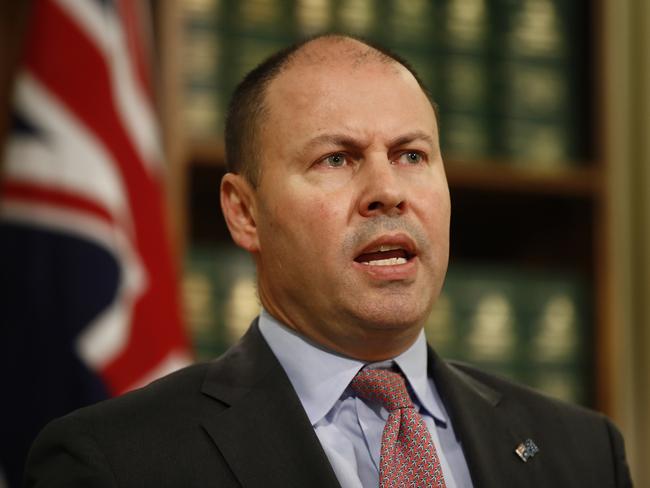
<point x="385" y="247"/>
<point x="386" y="262"/>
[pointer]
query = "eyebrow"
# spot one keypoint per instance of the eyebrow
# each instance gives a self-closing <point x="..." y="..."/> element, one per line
<point x="347" y="141"/>
<point x="413" y="136"/>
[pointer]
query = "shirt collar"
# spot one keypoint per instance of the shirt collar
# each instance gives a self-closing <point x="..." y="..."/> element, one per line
<point x="320" y="376"/>
<point x="413" y="364"/>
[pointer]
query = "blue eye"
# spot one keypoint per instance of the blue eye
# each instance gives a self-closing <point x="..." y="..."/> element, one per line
<point x="335" y="160"/>
<point x="411" y="157"/>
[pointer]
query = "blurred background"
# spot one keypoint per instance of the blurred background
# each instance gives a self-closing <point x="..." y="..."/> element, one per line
<point x="116" y="264"/>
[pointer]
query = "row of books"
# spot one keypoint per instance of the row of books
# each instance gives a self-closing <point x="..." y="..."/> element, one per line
<point x="532" y="326"/>
<point x="508" y="75"/>
<point x="219" y="297"/>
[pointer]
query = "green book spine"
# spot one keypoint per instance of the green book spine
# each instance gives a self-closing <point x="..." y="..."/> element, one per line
<point x="541" y="91"/>
<point x="529" y="325"/>
<point x="220" y="297"/>
<point x="201" y="58"/>
<point x="465" y="72"/>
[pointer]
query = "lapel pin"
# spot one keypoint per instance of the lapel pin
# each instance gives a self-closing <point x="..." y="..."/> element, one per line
<point x="526" y="450"/>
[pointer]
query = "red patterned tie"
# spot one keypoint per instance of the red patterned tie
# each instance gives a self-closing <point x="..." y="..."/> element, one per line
<point x="408" y="456"/>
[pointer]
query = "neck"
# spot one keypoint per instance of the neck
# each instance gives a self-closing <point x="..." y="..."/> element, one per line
<point x="365" y="342"/>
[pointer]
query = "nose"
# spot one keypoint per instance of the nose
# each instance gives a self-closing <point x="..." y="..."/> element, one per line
<point x="383" y="192"/>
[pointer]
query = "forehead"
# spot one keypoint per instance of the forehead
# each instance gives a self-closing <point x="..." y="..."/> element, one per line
<point x="354" y="90"/>
<point x="324" y="62"/>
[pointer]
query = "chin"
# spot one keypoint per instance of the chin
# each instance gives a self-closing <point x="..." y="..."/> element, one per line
<point x="393" y="307"/>
<point x="392" y="316"/>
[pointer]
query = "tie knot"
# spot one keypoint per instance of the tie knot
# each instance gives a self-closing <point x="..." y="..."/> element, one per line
<point x="383" y="386"/>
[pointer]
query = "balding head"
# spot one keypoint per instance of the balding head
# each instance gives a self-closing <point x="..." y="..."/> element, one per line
<point x="248" y="109"/>
<point x="337" y="49"/>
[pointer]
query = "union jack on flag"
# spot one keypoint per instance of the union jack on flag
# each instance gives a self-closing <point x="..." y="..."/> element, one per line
<point x="88" y="291"/>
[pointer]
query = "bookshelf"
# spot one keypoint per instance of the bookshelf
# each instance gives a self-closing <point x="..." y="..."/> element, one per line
<point x="521" y="214"/>
<point x="489" y="175"/>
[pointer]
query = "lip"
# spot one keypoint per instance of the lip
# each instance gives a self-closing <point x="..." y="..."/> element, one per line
<point x="398" y="272"/>
<point x="399" y="240"/>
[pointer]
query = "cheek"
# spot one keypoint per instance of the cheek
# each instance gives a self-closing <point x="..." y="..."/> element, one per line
<point x="433" y="202"/>
<point x="433" y="210"/>
<point x="315" y="205"/>
<point x="321" y="223"/>
<point x="323" y="213"/>
<point x="302" y="223"/>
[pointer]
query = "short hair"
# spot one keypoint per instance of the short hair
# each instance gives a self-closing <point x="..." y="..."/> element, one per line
<point x="247" y="108"/>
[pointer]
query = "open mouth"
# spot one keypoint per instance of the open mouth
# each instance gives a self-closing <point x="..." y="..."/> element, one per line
<point x="385" y="255"/>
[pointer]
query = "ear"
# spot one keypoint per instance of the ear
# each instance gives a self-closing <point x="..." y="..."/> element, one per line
<point x="238" y="206"/>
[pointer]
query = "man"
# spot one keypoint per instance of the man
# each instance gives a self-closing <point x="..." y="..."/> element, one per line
<point x="337" y="188"/>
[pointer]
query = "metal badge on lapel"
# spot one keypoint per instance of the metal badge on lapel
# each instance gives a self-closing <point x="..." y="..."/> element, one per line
<point x="526" y="450"/>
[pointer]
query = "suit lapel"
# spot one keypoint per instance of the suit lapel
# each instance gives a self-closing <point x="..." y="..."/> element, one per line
<point x="267" y="440"/>
<point x="488" y="436"/>
<point x="264" y="433"/>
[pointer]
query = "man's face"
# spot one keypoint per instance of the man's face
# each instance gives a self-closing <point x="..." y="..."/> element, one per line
<point x="352" y="210"/>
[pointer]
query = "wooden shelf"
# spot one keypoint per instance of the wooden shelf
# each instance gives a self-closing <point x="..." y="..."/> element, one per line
<point x="584" y="181"/>
<point x="207" y="153"/>
<point x="489" y="176"/>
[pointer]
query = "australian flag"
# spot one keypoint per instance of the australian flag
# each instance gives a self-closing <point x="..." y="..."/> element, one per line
<point x="88" y="291"/>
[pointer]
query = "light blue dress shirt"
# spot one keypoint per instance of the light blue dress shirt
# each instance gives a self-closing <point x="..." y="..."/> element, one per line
<point x="348" y="428"/>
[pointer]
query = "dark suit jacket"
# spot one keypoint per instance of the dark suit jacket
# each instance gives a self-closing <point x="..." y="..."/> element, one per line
<point x="238" y="422"/>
